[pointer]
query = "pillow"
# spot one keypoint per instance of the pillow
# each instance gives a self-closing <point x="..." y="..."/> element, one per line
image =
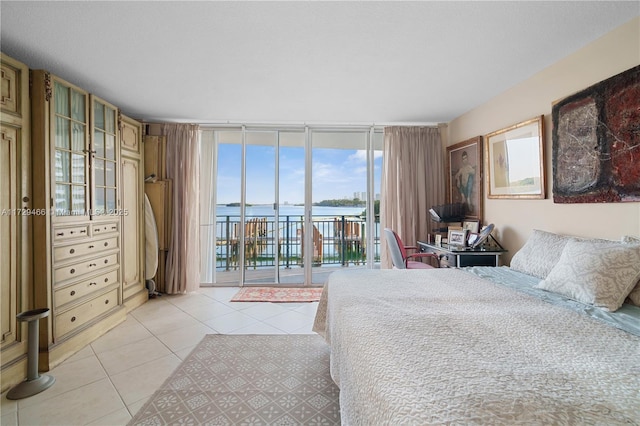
<point x="597" y="273"/>
<point x="634" y="296"/>
<point x="539" y="254"/>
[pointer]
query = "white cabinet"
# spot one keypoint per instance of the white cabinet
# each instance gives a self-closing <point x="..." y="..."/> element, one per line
<point x="15" y="222"/>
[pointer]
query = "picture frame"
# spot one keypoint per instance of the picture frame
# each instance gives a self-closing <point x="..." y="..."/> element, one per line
<point x="514" y="158"/>
<point x="473" y="226"/>
<point x="464" y="176"/>
<point x="457" y="237"/>
<point x="472" y="238"/>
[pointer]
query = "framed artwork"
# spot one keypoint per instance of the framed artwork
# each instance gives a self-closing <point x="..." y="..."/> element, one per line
<point x="472" y="238"/>
<point x="457" y="237"/>
<point x="464" y="176"/>
<point x="515" y="161"/>
<point x="471" y="225"/>
<point x="596" y="142"/>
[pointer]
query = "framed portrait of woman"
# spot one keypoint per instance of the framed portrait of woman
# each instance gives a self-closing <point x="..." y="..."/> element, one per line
<point x="464" y="176"/>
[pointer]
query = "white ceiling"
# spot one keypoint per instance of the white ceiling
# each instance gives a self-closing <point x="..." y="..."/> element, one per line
<point x="292" y="62"/>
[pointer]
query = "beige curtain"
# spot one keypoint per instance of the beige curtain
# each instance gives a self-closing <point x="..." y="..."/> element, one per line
<point x="413" y="180"/>
<point x="183" y="167"/>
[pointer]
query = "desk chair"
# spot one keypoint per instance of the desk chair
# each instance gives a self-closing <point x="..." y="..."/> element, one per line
<point x="399" y="256"/>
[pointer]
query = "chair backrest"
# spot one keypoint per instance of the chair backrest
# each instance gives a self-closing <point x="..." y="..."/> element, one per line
<point x="395" y="248"/>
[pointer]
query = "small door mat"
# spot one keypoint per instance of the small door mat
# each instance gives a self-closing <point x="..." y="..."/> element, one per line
<point x="278" y="294"/>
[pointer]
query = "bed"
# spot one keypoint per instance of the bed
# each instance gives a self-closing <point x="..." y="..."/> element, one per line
<point x="486" y="345"/>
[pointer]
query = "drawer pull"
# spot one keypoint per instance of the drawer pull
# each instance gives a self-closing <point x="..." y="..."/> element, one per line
<point x="73" y="293"/>
<point x="73" y="271"/>
<point x="91" y="246"/>
<point x="72" y="251"/>
<point x="93" y="283"/>
<point x="106" y="302"/>
<point x="114" y="227"/>
<point x="97" y="229"/>
<point x="106" y="244"/>
<point x="73" y="319"/>
<point x="106" y="261"/>
<point x="92" y="264"/>
<point x="106" y="280"/>
<point x="60" y="234"/>
<point x="83" y="231"/>
<point x="72" y="232"/>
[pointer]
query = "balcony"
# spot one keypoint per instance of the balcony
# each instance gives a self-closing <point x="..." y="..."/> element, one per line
<point x="337" y="242"/>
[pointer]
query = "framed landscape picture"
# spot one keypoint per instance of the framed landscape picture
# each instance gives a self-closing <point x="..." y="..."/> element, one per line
<point x="515" y="161"/>
<point x="464" y="176"/>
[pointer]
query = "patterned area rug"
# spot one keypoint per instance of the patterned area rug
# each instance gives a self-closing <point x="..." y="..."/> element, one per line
<point x="277" y="294"/>
<point x="248" y="380"/>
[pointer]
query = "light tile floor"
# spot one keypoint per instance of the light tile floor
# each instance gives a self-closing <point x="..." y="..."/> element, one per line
<point x="108" y="381"/>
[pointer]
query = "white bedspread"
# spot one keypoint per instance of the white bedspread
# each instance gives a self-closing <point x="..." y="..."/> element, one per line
<point x="445" y="347"/>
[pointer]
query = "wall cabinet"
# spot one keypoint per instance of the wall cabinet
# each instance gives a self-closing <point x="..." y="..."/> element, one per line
<point x="15" y="220"/>
<point x="134" y="291"/>
<point x="87" y="175"/>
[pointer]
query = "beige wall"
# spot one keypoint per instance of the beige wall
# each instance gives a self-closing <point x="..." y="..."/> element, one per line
<point x="613" y="53"/>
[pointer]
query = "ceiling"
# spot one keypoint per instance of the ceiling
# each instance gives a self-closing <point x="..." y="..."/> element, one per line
<point x="294" y="62"/>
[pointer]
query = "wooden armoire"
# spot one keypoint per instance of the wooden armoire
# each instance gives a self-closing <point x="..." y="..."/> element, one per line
<point x="77" y="172"/>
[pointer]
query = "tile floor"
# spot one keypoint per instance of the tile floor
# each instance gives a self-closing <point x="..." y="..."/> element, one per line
<point x="109" y="380"/>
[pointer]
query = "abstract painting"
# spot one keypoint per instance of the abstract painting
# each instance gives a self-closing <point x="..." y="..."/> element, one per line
<point x="596" y="142"/>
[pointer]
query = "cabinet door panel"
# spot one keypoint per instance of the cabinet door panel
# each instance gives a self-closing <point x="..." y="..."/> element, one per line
<point x="131" y="222"/>
<point x="8" y="232"/>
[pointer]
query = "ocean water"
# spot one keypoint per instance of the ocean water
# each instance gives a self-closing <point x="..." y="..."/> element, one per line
<point x="266" y="210"/>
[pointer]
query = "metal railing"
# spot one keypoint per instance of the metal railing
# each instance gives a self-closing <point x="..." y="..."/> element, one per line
<point x="339" y="240"/>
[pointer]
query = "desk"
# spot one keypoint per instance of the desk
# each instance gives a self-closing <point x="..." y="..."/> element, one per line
<point x="455" y="256"/>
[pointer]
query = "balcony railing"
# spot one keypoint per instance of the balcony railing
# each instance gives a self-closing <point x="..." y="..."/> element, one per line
<point x="339" y="240"/>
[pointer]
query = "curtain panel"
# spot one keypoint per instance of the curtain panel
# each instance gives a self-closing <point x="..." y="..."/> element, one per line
<point x="183" y="167"/>
<point x="413" y="181"/>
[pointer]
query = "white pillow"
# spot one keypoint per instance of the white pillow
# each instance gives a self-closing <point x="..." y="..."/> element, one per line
<point x="539" y="254"/>
<point x="597" y="273"/>
<point x="634" y="296"/>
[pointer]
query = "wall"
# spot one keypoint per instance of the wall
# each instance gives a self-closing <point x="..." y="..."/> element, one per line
<point x="613" y="53"/>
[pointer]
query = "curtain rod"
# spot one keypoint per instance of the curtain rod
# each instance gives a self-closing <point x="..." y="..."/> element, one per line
<point x="213" y="124"/>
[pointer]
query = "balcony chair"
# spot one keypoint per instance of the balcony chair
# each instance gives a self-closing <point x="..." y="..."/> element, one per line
<point x="399" y="256"/>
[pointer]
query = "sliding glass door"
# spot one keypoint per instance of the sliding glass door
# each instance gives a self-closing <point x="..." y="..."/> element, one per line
<point x="287" y="206"/>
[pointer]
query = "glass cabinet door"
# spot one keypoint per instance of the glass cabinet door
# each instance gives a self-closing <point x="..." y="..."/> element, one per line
<point x="104" y="158"/>
<point x="70" y="153"/>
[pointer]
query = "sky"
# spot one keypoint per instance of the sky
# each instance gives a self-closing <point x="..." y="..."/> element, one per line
<point x="337" y="173"/>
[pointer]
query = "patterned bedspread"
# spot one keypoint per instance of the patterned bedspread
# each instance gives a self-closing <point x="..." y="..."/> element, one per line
<point x="443" y="346"/>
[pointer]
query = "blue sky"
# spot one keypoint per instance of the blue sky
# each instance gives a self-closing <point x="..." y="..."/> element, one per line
<point x="337" y="173"/>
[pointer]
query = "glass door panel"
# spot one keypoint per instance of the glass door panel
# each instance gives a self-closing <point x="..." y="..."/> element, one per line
<point x="291" y="169"/>
<point x="225" y="216"/>
<point x="260" y="214"/>
<point x="339" y="194"/>
<point x="71" y="160"/>
<point x="104" y="159"/>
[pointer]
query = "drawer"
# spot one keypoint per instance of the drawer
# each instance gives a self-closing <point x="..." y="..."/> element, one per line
<point x="84" y="248"/>
<point x="68" y="321"/>
<point x="71" y="232"/>
<point x="84" y="288"/>
<point x="86" y="266"/>
<point x="105" y="228"/>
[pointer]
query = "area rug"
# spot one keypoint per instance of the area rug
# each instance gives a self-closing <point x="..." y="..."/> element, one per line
<point x="248" y="380"/>
<point x="278" y="294"/>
